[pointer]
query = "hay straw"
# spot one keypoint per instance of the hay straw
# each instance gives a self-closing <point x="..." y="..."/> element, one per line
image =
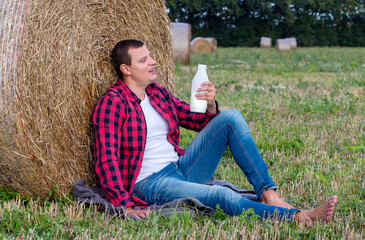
<point x="200" y="45"/>
<point x="282" y="45"/>
<point x="213" y="43"/>
<point x="54" y="67"/>
<point x="265" y="42"/>
<point x="181" y="37"/>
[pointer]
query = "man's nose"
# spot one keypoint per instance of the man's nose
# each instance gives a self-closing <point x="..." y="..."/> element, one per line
<point x="152" y="61"/>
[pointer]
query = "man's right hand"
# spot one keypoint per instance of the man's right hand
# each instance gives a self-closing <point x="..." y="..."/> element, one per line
<point x="139" y="214"/>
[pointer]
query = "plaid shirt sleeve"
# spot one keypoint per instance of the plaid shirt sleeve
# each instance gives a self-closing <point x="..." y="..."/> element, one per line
<point x="107" y="122"/>
<point x="191" y="120"/>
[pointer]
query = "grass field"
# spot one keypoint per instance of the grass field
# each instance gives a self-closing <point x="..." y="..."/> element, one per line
<point x="306" y="113"/>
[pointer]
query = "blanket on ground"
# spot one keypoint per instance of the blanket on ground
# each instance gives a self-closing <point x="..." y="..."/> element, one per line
<point x="95" y="196"/>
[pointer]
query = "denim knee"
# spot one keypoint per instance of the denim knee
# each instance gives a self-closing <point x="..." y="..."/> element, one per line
<point x="235" y="118"/>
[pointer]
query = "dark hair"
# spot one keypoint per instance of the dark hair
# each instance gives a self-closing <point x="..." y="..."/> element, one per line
<point x="120" y="54"/>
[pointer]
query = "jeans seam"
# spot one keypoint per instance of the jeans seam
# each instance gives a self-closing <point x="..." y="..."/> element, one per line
<point x="249" y="159"/>
<point x="197" y="159"/>
<point x="177" y="170"/>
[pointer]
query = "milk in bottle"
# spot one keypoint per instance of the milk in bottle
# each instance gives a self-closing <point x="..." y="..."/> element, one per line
<point x="199" y="106"/>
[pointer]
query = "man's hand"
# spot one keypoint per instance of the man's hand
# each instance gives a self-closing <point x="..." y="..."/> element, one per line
<point x="139" y="214"/>
<point x="207" y="92"/>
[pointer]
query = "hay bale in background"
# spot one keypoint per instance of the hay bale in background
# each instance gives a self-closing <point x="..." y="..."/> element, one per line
<point x="181" y="37"/>
<point x="213" y="43"/>
<point x="265" y="42"/>
<point x="282" y="45"/>
<point x="200" y="45"/>
<point x="54" y="66"/>
<point x="293" y="43"/>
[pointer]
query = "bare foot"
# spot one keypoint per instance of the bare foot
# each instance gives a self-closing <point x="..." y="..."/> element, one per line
<point x="322" y="213"/>
<point x="270" y="197"/>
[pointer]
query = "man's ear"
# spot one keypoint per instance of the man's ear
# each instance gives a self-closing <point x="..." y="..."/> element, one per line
<point x="125" y="69"/>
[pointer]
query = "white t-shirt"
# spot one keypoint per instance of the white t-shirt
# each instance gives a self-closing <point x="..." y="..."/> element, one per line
<point x="158" y="152"/>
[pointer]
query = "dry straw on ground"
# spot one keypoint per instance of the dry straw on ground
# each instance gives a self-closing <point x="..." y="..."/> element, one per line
<point x="54" y="66"/>
<point x="283" y="45"/>
<point x="200" y="45"/>
<point x="181" y="37"/>
<point x="213" y="43"/>
<point x="265" y="42"/>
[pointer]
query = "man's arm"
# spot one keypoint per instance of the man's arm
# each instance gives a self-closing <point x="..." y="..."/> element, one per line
<point x="107" y="122"/>
<point x="196" y="121"/>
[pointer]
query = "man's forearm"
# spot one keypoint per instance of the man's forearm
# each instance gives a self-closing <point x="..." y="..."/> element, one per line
<point x="212" y="108"/>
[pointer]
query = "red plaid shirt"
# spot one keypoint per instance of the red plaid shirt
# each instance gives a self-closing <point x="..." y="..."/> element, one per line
<point x="119" y="130"/>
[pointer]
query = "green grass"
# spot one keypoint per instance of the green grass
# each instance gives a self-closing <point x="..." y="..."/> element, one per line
<point x="306" y="113"/>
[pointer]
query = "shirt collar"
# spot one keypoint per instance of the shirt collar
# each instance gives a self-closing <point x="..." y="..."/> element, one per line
<point x="126" y="91"/>
<point x="150" y="90"/>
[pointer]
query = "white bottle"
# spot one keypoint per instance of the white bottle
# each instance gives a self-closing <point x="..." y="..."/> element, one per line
<point x="199" y="106"/>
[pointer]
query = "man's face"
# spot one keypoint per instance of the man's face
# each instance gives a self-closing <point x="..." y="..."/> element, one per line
<point x="142" y="68"/>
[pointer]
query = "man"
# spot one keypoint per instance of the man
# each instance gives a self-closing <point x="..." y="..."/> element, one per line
<point x="136" y="146"/>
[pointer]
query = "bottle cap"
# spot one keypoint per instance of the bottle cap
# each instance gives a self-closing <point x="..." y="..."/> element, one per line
<point x="202" y="66"/>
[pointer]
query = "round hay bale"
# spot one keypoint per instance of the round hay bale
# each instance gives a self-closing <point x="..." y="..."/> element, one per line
<point x="213" y="44"/>
<point x="293" y="43"/>
<point x="282" y="45"/>
<point x="265" y="42"/>
<point x="54" y="67"/>
<point x="200" y="45"/>
<point x="181" y="37"/>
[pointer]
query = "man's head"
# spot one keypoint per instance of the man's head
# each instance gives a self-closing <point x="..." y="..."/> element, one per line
<point x="121" y="56"/>
<point x="133" y="63"/>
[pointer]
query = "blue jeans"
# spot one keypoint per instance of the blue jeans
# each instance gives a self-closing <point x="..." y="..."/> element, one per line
<point x="188" y="176"/>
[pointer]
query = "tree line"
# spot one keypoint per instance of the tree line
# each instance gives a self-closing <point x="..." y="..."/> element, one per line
<point x="242" y="23"/>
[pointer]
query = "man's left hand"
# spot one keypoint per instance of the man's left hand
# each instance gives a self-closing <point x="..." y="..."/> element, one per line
<point x="207" y="92"/>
